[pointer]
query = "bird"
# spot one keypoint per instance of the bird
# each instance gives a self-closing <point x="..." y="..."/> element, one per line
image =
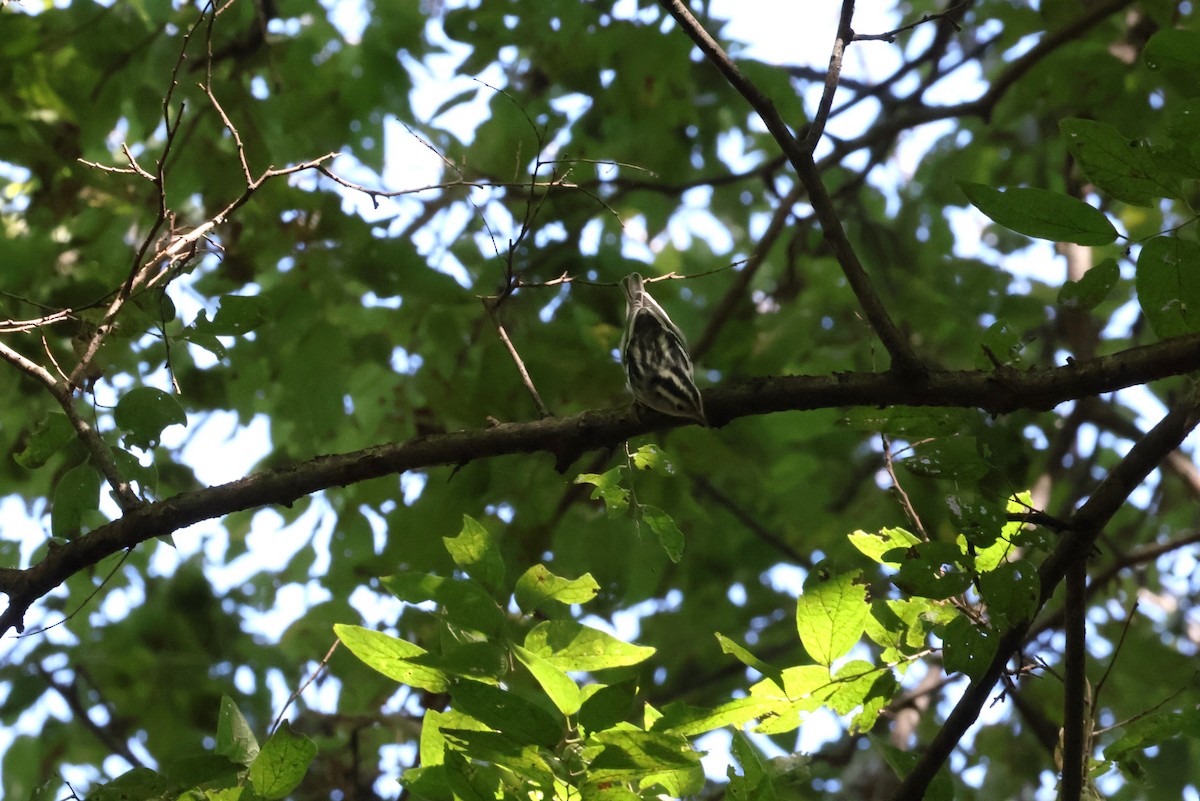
<point x="658" y="369"/>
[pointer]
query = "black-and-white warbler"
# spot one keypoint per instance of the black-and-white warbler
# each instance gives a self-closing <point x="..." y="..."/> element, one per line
<point x="658" y="369"/>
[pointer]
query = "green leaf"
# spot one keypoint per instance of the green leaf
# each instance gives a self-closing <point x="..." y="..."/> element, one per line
<point x="942" y="786"/>
<point x="76" y="497"/>
<point x="1092" y="289"/>
<point x="861" y="685"/>
<point x="521" y="720"/>
<point x="1126" y="172"/>
<point x="235" y="739"/>
<point x="481" y="660"/>
<point x="281" y="764"/>
<point x="428" y="781"/>
<point x="1042" y="214"/>
<point x="831" y="615"/>
<point x="1000" y="343"/>
<point x="909" y="422"/>
<point x="51" y="436"/>
<point x="954" y="458"/>
<point x="465" y="602"/>
<point x="607" y="485"/>
<point x="1173" y="48"/>
<point x="538" y="587"/>
<point x="748" y="659"/>
<point x="805" y="688"/>
<point x="1011" y="592"/>
<point x="568" y="645"/>
<point x="214" y="769"/>
<point x="966" y="647"/>
<point x="474" y="550"/>
<point x="875" y="546"/>
<point x="605" y="707"/>
<point x="390" y="656"/>
<point x="691" y="721"/>
<point x="498" y="749"/>
<point x="199" y="333"/>
<point x="652" y="457"/>
<point x="891" y="624"/>
<point x="433" y="745"/>
<point x="1183" y="126"/>
<point x="932" y="570"/>
<point x="669" y="535"/>
<point x="472" y="781"/>
<point x="630" y="755"/>
<point x="754" y="782"/>
<point x="1153" y="730"/>
<point x="1168" y="285"/>
<point x="561" y="688"/>
<point x="134" y="784"/>
<point x="144" y="412"/>
<point x="237" y="315"/>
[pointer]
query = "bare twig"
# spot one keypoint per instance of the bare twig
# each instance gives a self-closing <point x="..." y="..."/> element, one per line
<point x="909" y="510"/>
<point x="1116" y="652"/>
<point x="140" y="267"/>
<point x="516" y="357"/>
<point x="304" y="686"/>
<point x="904" y="360"/>
<point x="845" y="34"/>
<point x="125" y="496"/>
<point x="903" y="119"/>
<point x="890" y="36"/>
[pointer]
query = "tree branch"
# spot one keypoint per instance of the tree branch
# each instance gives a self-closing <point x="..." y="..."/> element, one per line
<point x="98" y="449"/>
<point x="845" y="34"/>
<point x="900" y="119"/>
<point x="1074" y="728"/>
<point x="904" y="360"/>
<point x="566" y="438"/>
<point x="1086" y="525"/>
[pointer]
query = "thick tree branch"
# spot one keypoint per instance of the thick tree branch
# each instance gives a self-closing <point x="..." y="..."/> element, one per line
<point x="1086" y="525"/>
<point x="566" y="438"/>
<point x="903" y="358"/>
<point x="1075" y="713"/>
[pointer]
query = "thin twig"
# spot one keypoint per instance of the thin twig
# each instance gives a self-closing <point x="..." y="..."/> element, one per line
<point x="140" y="267"/>
<point x="516" y="357"/>
<point x="300" y="690"/>
<point x="1116" y="652"/>
<point x="82" y="604"/>
<point x="890" y="36"/>
<point x="905" y="504"/>
<point x="125" y="496"/>
<point x="845" y="34"/>
<point x="904" y="359"/>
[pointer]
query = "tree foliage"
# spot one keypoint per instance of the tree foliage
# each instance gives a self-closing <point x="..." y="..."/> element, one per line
<point x="944" y="315"/>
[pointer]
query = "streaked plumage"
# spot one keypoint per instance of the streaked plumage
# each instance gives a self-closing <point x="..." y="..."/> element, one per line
<point x="658" y="369"/>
